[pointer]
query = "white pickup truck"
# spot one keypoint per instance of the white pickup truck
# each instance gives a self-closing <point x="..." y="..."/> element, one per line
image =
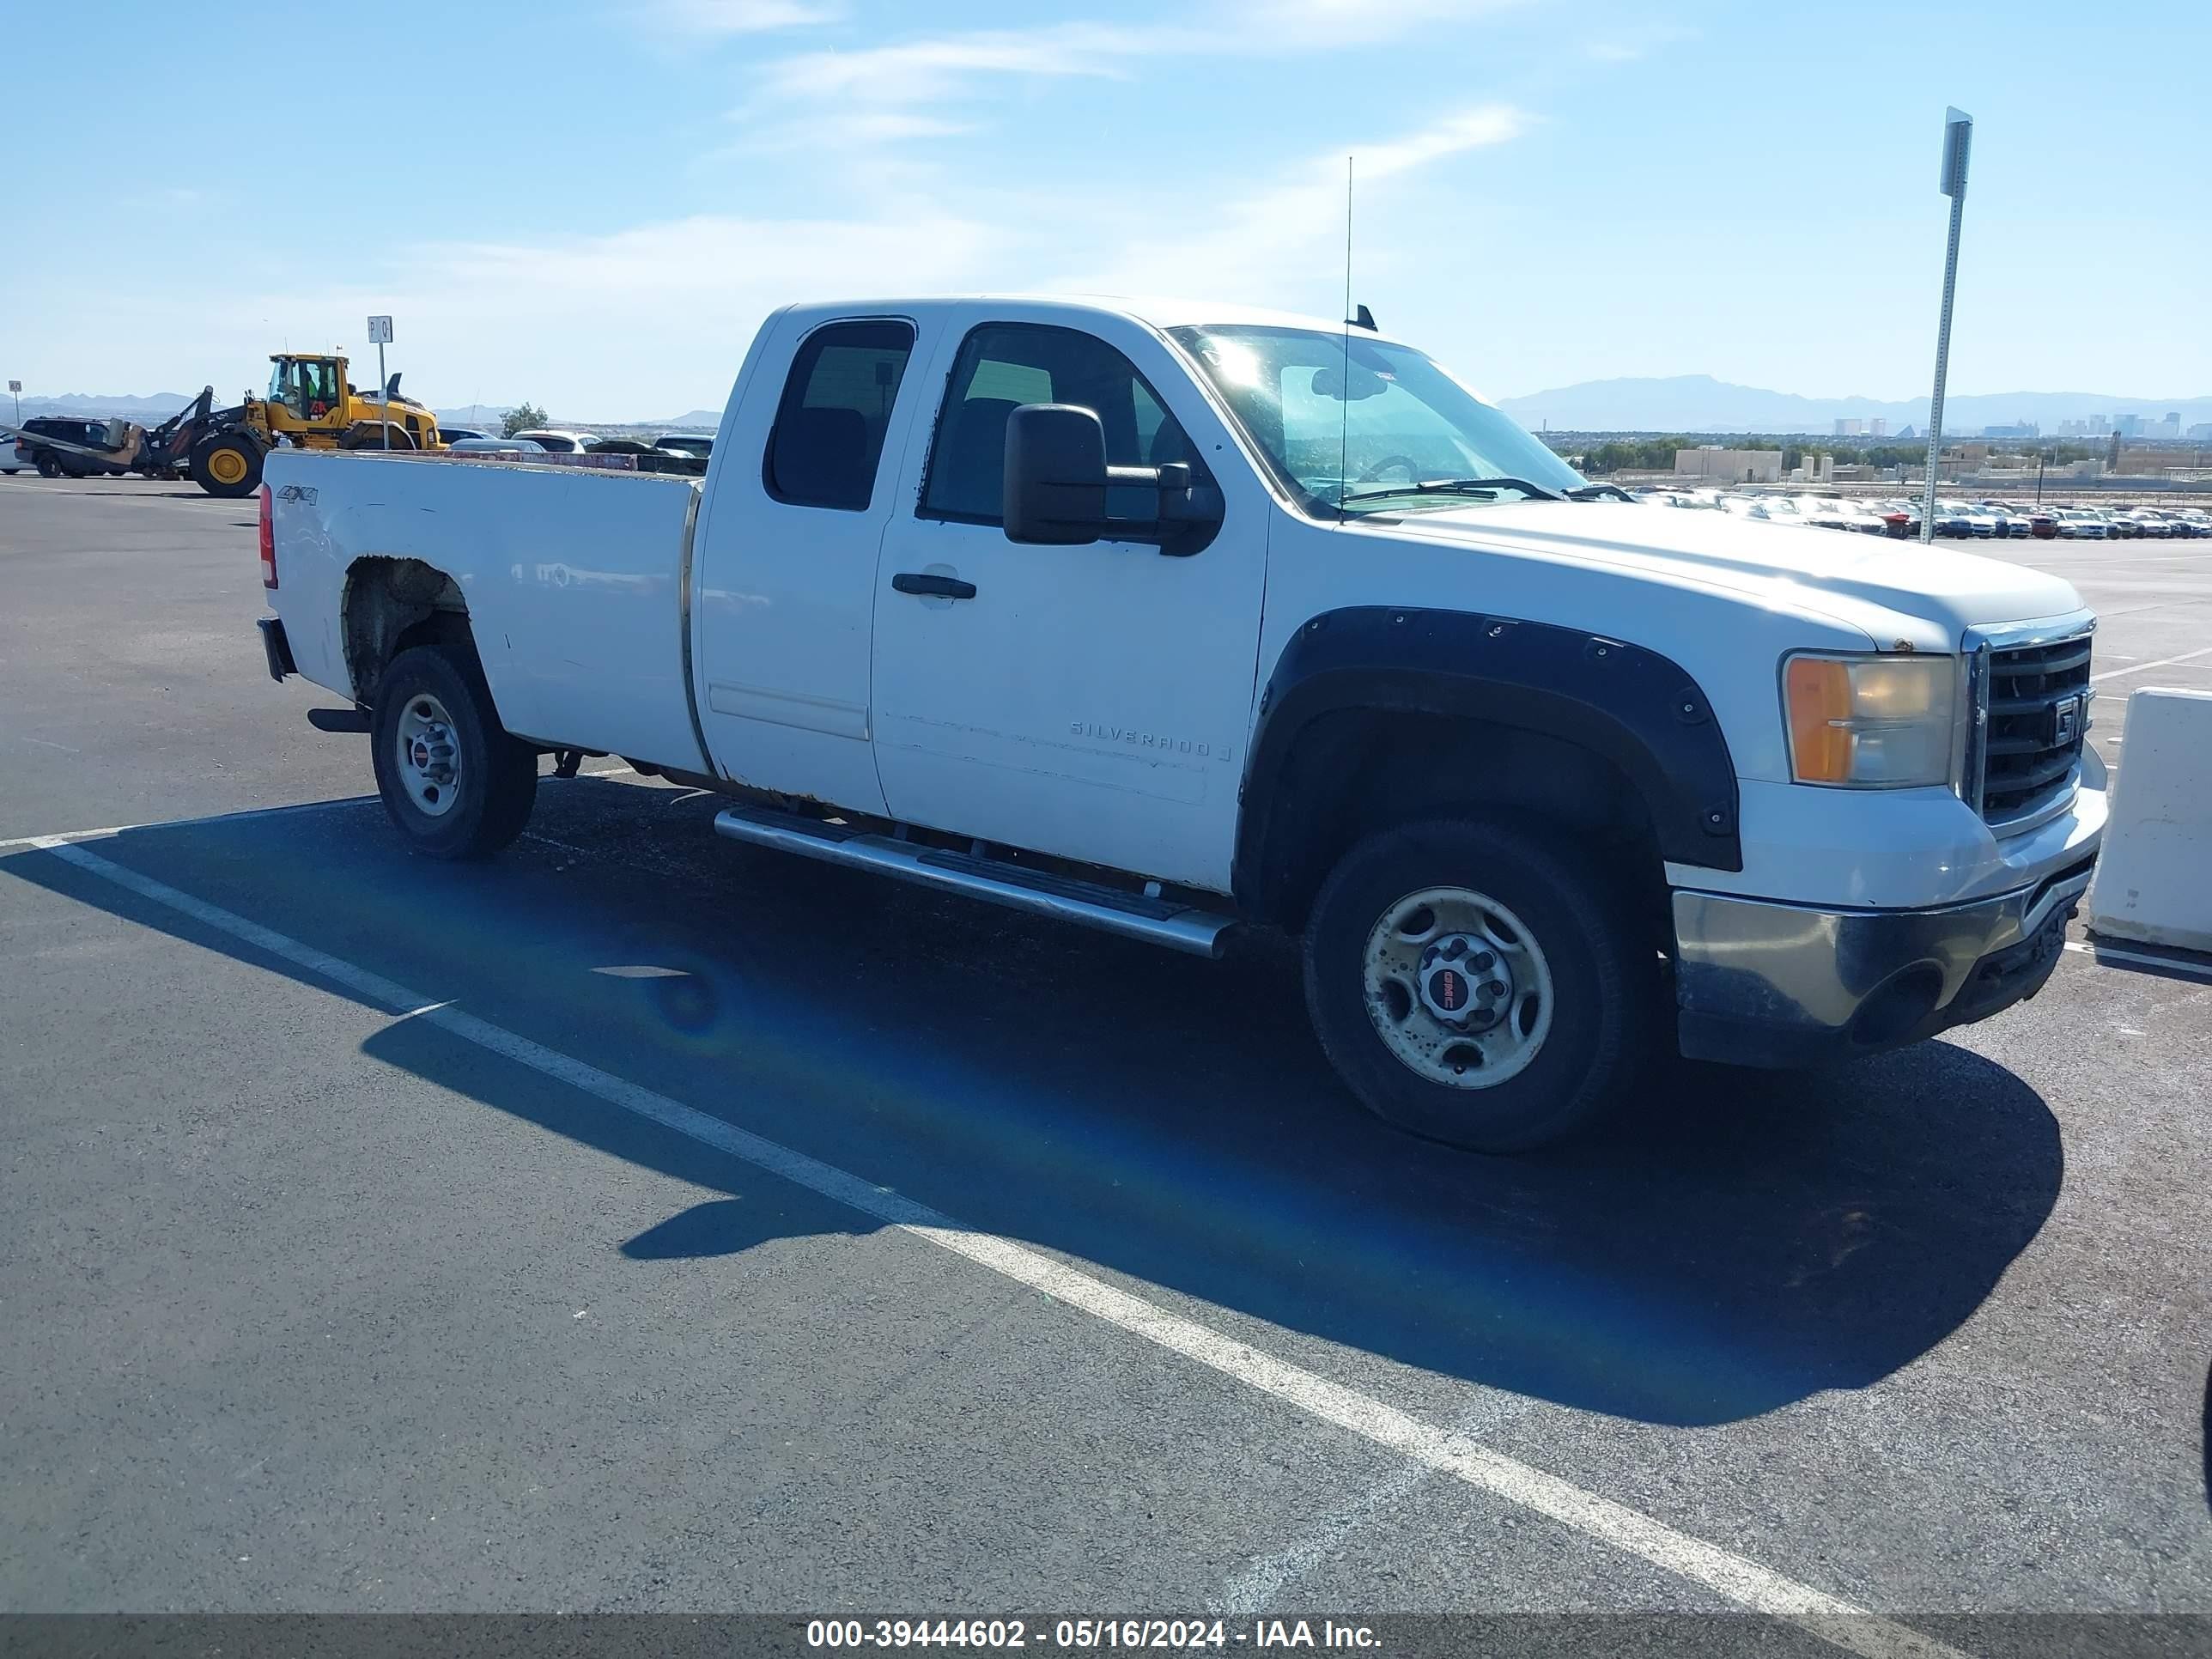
<point x="1169" y="619"/>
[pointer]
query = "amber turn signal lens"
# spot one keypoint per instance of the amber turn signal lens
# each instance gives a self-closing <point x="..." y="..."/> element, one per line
<point x="1820" y="703"/>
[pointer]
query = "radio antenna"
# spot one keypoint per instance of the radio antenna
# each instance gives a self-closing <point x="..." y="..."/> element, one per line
<point x="1344" y="390"/>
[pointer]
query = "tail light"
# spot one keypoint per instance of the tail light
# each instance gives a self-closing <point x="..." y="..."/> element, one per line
<point x="268" y="541"/>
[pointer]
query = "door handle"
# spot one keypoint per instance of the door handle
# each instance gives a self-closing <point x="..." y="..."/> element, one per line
<point x="943" y="587"/>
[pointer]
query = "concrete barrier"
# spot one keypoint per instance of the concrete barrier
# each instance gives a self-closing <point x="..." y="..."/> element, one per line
<point x="2154" y="880"/>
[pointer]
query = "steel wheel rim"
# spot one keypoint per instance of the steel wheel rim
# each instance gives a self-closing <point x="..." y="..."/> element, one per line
<point x="1503" y="997"/>
<point x="430" y="755"/>
<point x="227" y="466"/>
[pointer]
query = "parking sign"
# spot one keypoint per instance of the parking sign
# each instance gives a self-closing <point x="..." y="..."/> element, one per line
<point x="379" y="330"/>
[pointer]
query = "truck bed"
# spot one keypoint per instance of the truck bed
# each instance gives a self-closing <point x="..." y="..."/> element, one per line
<point x="575" y="579"/>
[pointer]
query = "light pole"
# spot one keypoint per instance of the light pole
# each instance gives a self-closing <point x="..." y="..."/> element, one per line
<point x="1958" y="138"/>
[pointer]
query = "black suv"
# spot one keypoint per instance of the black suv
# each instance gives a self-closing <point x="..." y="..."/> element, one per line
<point x="61" y="462"/>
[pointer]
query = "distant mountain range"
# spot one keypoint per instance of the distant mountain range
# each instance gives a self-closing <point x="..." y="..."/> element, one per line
<point x="483" y="417"/>
<point x="93" y="406"/>
<point x="1699" y="402"/>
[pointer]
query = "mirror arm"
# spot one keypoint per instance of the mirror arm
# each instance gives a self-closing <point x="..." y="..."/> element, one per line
<point x="1196" y="504"/>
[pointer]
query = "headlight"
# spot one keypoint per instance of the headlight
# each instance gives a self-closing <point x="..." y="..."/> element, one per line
<point x="1870" y="722"/>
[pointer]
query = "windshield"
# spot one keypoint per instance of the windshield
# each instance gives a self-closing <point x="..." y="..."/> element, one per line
<point x="1350" y="429"/>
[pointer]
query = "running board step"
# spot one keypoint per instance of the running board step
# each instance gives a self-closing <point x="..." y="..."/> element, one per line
<point x="1161" y="921"/>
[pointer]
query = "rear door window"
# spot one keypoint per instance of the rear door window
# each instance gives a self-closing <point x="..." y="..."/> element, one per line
<point x="836" y="409"/>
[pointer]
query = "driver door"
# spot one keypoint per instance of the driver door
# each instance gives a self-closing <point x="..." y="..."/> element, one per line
<point x="1086" y="701"/>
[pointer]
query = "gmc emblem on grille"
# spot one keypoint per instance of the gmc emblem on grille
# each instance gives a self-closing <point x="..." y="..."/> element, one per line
<point x="2065" y="720"/>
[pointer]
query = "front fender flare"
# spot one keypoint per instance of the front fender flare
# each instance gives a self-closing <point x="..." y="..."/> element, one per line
<point x="1633" y="707"/>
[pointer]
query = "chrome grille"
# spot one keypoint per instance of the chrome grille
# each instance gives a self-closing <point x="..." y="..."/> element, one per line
<point x="2038" y="714"/>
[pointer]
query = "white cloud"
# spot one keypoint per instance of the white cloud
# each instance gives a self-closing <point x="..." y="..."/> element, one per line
<point x="934" y="68"/>
<point x="926" y="70"/>
<point x="644" y="322"/>
<point x="1633" y="44"/>
<point x="1330" y="25"/>
<point x="1283" y="243"/>
<point x="830" y="133"/>
<point x="745" y="16"/>
<point x="638" y="325"/>
<point x="704" y="255"/>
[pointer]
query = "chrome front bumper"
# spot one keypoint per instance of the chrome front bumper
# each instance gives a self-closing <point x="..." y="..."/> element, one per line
<point x="1759" y="984"/>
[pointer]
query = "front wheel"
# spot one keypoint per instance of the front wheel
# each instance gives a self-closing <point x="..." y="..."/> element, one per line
<point x="455" y="784"/>
<point x="1474" y="984"/>
<point x="227" y="464"/>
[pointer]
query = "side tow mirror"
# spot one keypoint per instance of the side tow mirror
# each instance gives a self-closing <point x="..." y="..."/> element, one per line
<point x="1055" y="480"/>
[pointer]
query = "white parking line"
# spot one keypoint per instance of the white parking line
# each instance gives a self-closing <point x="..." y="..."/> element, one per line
<point x="112" y="830"/>
<point x="107" y="831"/>
<point x="2163" y="662"/>
<point x="1259" y="1584"/>
<point x="1734" y="1576"/>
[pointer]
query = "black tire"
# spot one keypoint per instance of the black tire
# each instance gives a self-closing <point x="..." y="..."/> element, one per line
<point x="227" y="464"/>
<point x="47" y="466"/>
<point x="1602" y="966"/>
<point x="495" y="781"/>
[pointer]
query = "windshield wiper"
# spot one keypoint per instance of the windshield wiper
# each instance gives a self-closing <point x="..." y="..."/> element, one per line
<point x="1454" y="486"/>
<point x="1593" y="492"/>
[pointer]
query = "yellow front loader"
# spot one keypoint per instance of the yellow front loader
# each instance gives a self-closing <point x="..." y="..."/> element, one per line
<point x="309" y="404"/>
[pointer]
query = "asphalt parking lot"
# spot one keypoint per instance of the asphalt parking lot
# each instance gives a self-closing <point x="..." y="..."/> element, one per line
<point x="641" y="1222"/>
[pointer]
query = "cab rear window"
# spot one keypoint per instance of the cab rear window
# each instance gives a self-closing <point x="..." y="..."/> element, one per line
<point x="835" y="407"/>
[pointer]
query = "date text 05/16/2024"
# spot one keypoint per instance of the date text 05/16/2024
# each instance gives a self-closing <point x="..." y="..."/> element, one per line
<point x="1009" y="1635"/>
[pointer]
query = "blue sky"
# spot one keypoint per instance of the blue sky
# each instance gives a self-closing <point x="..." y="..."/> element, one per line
<point x="591" y="205"/>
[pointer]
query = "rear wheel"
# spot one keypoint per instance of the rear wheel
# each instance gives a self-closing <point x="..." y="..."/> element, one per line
<point x="453" y="781"/>
<point x="47" y="466"/>
<point x="227" y="464"/>
<point x="1476" y="984"/>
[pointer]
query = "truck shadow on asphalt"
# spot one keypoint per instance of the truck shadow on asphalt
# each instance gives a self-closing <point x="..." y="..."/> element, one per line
<point x="1730" y="1244"/>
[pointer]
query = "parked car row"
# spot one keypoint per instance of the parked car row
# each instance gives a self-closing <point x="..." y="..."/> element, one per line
<point x="566" y="441"/>
<point x="1963" y="520"/>
<point x="672" y="451"/>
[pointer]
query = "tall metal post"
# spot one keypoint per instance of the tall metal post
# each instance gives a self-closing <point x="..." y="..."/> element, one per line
<point x="386" y="408"/>
<point x="1958" y="139"/>
<point x="380" y="336"/>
